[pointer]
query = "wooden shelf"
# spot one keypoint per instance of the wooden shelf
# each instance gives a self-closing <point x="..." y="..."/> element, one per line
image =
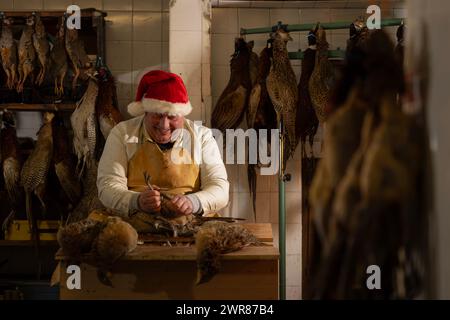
<point x="86" y="12"/>
<point x="67" y="107"/>
<point x="27" y="243"/>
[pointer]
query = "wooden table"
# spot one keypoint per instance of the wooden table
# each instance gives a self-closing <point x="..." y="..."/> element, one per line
<point x="162" y="272"/>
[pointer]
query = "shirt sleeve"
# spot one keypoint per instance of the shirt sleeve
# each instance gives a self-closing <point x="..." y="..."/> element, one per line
<point x="112" y="175"/>
<point x="213" y="175"/>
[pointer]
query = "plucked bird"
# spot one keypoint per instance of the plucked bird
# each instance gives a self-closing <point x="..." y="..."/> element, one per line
<point x="27" y="53"/>
<point x="233" y="101"/>
<point x="282" y="88"/>
<point x="42" y="48"/>
<point x="8" y="50"/>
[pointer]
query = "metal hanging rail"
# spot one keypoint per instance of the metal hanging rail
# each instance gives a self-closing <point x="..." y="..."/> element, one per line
<point x="332" y="54"/>
<point x="309" y="26"/>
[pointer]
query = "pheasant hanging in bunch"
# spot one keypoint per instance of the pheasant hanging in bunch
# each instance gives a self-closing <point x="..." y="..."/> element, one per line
<point x="282" y="89"/>
<point x="36" y="167"/>
<point x="106" y="108"/>
<point x="63" y="162"/>
<point x="232" y="104"/>
<point x="58" y="58"/>
<point x="8" y="51"/>
<point x="11" y="164"/>
<point x="261" y="113"/>
<point x="84" y="125"/>
<point x="306" y="121"/>
<point x="77" y="56"/>
<point x="27" y="53"/>
<point x="42" y="48"/>
<point x="322" y="78"/>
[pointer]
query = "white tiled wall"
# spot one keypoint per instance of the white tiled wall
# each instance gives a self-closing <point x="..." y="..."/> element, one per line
<point x="226" y="23"/>
<point x="136" y="41"/>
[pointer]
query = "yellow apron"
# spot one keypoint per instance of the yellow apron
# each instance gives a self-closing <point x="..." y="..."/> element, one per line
<point x="172" y="178"/>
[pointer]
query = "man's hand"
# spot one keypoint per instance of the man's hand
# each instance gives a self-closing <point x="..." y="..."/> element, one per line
<point x="183" y="204"/>
<point x="150" y="200"/>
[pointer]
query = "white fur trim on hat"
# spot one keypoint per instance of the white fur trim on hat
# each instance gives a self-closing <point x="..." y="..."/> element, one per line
<point x="138" y="108"/>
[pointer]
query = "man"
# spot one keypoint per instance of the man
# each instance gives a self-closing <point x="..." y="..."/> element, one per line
<point x="148" y="144"/>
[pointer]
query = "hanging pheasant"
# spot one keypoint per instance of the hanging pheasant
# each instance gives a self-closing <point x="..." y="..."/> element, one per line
<point x="27" y="54"/>
<point x="282" y="89"/>
<point x="106" y="108"/>
<point x="353" y="70"/>
<point x="11" y="164"/>
<point x="322" y="78"/>
<point x="8" y="50"/>
<point x="34" y="175"/>
<point x="58" y="60"/>
<point x="378" y="200"/>
<point x="77" y="55"/>
<point x="62" y="160"/>
<point x="232" y="103"/>
<point x="84" y="125"/>
<point x="306" y="121"/>
<point x="42" y="48"/>
<point x="89" y="200"/>
<point x="260" y="114"/>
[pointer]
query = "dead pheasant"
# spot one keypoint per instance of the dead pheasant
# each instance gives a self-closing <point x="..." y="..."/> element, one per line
<point x="100" y="242"/>
<point x="76" y="239"/>
<point x="306" y="121"/>
<point x="116" y="240"/>
<point x="89" y="200"/>
<point x="232" y="103"/>
<point x="353" y="70"/>
<point x="11" y="164"/>
<point x="322" y="78"/>
<point x="62" y="160"/>
<point x="42" y="48"/>
<point x="33" y="178"/>
<point x="261" y="113"/>
<point x="215" y="238"/>
<point x="282" y="89"/>
<point x="378" y="199"/>
<point x="58" y="58"/>
<point x="106" y="108"/>
<point x="8" y="50"/>
<point x="341" y="140"/>
<point x="84" y="125"/>
<point x="27" y="54"/>
<point x="77" y="55"/>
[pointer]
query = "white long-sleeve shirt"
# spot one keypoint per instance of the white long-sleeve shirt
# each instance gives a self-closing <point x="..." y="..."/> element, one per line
<point x="123" y="142"/>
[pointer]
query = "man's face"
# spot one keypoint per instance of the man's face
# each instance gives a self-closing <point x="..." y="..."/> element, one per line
<point x="160" y="126"/>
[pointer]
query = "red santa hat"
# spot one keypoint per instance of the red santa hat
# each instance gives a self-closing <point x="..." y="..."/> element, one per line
<point x="161" y="92"/>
